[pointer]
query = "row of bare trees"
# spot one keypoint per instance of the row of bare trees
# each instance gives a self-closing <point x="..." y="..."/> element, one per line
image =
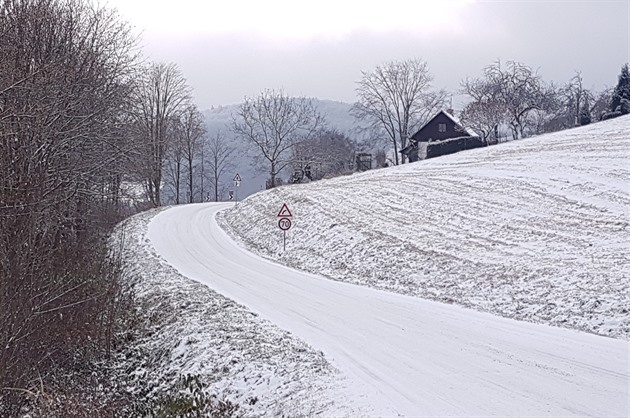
<point x="515" y="95"/>
<point x="66" y="72"/>
<point x="396" y="98"/>
<point x="172" y="152"/>
<point x="161" y="100"/>
<point x="82" y="118"/>
<point x="184" y="161"/>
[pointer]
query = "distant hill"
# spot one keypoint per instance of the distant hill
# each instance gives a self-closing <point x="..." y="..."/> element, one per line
<point x="337" y="116"/>
<point x="219" y="119"/>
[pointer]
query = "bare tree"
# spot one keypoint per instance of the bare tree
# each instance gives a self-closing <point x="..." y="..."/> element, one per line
<point x="175" y="157"/>
<point x="514" y="88"/>
<point x="328" y="153"/>
<point x="484" y="117"/>
<point x="65" y="72"/>
<point x="576" y="96"/>
<point x="193" y="132"/>
<point x="161" y="95"/>
<point x="274" y="123"/>
<point x="186" y="132"/>
<point x="218" y="156"/>
<point x="567" y="106"/>
<point x="396" y="98"/>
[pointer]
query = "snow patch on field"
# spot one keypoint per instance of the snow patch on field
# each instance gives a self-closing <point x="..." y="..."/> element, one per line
<point x="536" y="229"/>
<point x="246" y="360"/>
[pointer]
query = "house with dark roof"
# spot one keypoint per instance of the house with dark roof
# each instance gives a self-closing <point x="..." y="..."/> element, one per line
<point x="442" y="134"/>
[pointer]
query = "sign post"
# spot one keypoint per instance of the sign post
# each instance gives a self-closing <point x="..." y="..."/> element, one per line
<point x="237" y="183"/>
<point x="284" y="223"/>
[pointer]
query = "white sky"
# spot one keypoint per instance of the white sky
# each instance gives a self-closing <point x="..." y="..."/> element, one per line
<point x="285" y="20"/>
<point x="234" y="48"/>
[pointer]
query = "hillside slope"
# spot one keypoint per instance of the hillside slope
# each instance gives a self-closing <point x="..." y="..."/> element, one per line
<point x="398" y="355"/>
<point x="536" y="229"/>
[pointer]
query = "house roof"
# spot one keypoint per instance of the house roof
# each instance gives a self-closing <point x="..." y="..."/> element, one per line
<point x="456" y="121"/>
<point x="408" y="148"/>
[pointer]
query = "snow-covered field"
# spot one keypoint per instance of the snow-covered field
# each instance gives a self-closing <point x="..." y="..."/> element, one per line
<point x="402" y="355"/>
<point x="536" y="229"/>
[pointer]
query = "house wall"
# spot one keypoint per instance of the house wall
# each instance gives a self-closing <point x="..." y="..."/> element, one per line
<point x="413" y="155"/>
<point x="450" y="146"/>
<point x="431" y="130"/>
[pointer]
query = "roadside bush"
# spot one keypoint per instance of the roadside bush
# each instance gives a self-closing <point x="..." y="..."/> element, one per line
<point x="65" y="74"/>
<point x="611" y="115"/>
<point x="189" y="399"/>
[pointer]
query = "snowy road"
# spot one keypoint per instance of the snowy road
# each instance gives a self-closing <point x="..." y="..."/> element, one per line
<point x="405" y="355"/>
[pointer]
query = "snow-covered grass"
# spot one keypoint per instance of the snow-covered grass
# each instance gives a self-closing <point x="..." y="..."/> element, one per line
<point x="190" y="329"/>
<point x="536" y="229"/>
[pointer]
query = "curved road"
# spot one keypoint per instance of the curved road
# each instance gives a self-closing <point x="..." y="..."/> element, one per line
<point x="405" y="355"/>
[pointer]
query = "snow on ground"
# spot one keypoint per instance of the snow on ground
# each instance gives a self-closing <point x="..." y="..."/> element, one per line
<point x="245" y="359"/>
<point x="403" y="355"/>
<point x="536" y="229"/>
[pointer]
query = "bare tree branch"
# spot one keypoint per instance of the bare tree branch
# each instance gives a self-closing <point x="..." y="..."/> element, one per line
<point x="274" y="123"/>
<point x="396" y="98"/>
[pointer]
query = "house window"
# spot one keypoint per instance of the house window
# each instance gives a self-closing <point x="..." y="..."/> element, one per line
<point x="442" y="127"/>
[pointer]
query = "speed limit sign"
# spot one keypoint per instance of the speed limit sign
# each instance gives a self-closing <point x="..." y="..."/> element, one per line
<point x="284" y="224"/>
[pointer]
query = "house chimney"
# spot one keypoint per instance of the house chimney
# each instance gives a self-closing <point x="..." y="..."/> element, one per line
<point x="450" y="108"/>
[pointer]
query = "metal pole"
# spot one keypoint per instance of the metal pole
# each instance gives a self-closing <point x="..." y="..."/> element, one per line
<point x="284" y="234"/>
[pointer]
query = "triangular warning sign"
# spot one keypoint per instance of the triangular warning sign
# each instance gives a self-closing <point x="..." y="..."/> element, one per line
<point x="237" y="177"/>
<point x="285" y="212"/>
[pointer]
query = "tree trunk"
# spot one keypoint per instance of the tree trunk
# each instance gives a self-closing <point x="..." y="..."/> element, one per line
<point x="190" y="182"/>
<point x="216" y="188"/>
<point x="202" y="174"/>
<point x="156" y="193"/>
<point x="273" y="175"/>
<point x="215" y="179"/>
<point x="177" y="181"/>
<point x="396" y="153"/>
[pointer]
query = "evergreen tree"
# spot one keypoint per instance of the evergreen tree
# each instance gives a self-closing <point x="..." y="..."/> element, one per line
<point x="622" y="91"/>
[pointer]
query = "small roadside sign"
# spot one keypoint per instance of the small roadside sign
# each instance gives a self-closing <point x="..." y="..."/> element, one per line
<point x="285" y="212"/>
<point x="237" y="177"/>
<point x="284" y="224"/>
<point x="231" y="194"/>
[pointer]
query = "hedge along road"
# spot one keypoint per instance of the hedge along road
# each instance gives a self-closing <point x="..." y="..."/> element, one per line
<point x="405" y="355"/>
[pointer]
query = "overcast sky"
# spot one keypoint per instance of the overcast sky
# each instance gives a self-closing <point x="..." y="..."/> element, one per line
<point x="230" y="49"/>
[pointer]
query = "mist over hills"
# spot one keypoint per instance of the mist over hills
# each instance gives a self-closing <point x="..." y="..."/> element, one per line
<point x="219" y="120"/>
